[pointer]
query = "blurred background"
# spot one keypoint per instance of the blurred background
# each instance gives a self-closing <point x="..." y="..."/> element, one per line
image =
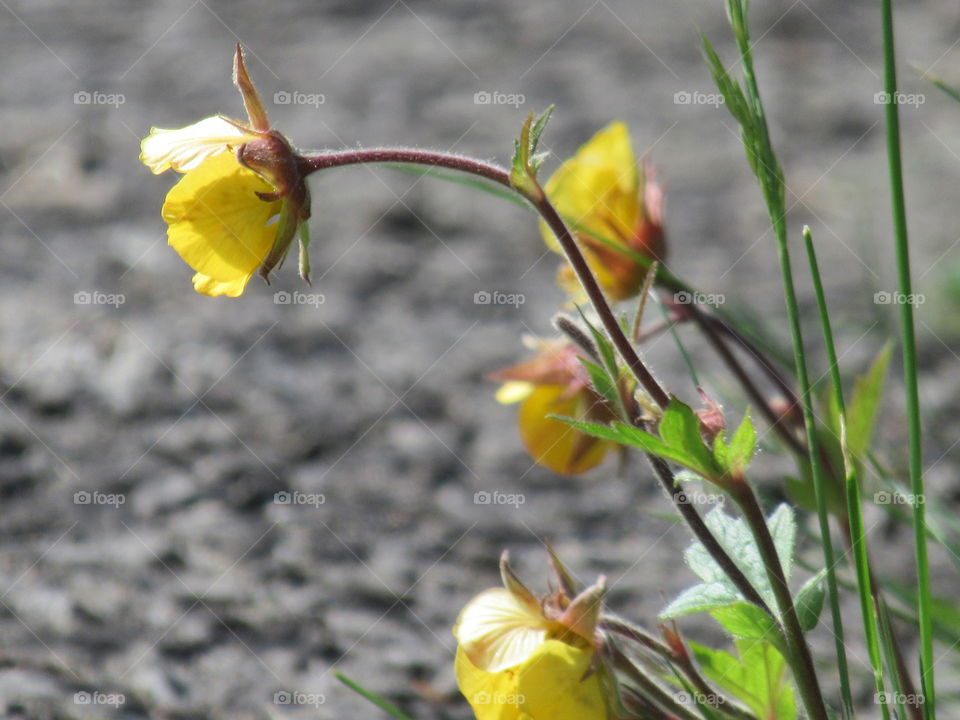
<point x="145" y="430"/>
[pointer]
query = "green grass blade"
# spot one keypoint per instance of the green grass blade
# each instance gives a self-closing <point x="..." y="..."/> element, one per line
<point x="909" y="349"/>
<point x="391" y="710"/>
<point x="854" y="513"/>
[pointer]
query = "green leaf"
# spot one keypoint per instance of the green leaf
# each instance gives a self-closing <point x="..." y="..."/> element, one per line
<point x="680" y="429"/>
<point x="809" y="601"/>
<point x="735" y="538"/>
<point x="758" y="678"/>
<point x="605" y="386"/>
<point x="735" y="457"/>
<point x="783" y="528"/>
<point x="865" y="403"/>
<point x="746" y="621"/>
<point x="633" y="437"/>
<point x="700" y="598"/>
<point x="526" y="162"/>
<point x="679" y="439"/>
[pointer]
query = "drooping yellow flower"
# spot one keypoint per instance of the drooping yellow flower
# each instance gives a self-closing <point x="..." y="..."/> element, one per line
<point x="516" y="663"/>
<point x="219" y="226"/>
<point x="554" y="382"/>
<point x="612" y="207"/>
<point x="241" y="199"/>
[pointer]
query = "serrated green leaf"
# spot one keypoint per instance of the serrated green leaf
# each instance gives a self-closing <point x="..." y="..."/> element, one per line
<point x="783" y="528"/>
<point x="526" y="161"/>
<point x="735" y="537"/>
<point x="680" y="429"/>
<point x="538" y="127"/>
<point x="759" y="678"/>
<point x="734" y="457"/>
<point x="809" y="601"/>
<point x="746" y="621"/>
<point x="700" y="598"/>
<point x="743" y="443"/>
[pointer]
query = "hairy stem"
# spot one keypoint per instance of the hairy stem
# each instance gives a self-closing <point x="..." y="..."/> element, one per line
<point x="802" y="661"/>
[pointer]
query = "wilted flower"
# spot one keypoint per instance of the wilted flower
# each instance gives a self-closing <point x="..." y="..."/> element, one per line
<point x="242" y="197"/>
<point x="520" y="658"/>
<point x="555" y="382"/>
<point x="615" y="209"/>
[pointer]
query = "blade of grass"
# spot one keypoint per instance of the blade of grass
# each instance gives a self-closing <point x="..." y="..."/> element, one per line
<point x="391" y="710"/>
<point x="744" y="103"/>
<point x="909" y="349"/>
<point x="858" y="541"/>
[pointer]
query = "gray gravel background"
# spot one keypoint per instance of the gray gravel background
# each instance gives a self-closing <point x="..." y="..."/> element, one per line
<point x="201" y="597"/>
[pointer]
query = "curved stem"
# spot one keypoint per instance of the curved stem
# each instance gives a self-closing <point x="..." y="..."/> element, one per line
<point x="494" y="173"/>
<point x="312" y="163"/>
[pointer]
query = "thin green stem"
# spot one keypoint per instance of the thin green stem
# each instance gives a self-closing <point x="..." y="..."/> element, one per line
<point x="910" y="380"/>
<point x="858" y="541"/>
<point x="801" y="660"/>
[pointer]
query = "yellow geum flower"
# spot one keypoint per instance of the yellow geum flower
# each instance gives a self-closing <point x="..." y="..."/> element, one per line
<point x="515" y="663"/>
<point x="554" y="382"/>
<point x="241" y="199"/>
<point x="614" y="210"/>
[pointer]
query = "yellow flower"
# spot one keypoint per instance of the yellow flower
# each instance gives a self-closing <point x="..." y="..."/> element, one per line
<point x="241" y="199"/>
<point x="218" y="225"/>
<point x="515" y="663"/>
<point x="554" y="382"/>
<point x="612" y="208"/>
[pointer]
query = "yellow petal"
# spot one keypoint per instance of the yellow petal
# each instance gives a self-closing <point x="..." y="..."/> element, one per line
<point x="208" y="286"/>
<point x="552" y="687"/>
<point x="217" y="223"/>
<point x="497" y="630"/>
<point x="553" y="443"/>
<point x="597" y="190"/>
<point x="185" y="148"/>
<point x="493" y="696"/>
<point x="548" y="686"/>
<point x="513" y="391"/>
